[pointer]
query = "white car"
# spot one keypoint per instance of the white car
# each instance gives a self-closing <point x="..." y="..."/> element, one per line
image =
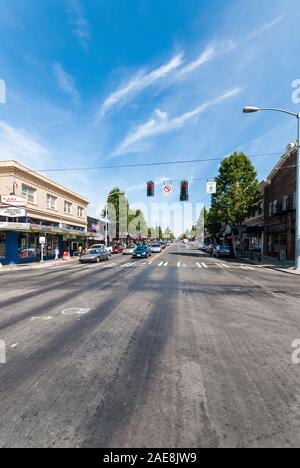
<point x="156" y="248"/>
<point x="100" y="246"/>
<point x="129" y="250"/>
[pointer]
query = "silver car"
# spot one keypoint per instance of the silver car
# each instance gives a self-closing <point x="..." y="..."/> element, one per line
<point x="156" y="248"/>
<point x="95" y="256"/>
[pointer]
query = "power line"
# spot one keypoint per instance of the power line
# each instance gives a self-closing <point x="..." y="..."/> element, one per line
<point x="165" y="163"/>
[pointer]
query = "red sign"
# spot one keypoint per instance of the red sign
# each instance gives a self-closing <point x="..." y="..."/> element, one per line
<point x="12" y="200"/>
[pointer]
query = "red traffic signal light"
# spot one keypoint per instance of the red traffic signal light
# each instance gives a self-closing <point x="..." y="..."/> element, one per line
<point x="150" y="189"/>
<point x="184" y="191"/>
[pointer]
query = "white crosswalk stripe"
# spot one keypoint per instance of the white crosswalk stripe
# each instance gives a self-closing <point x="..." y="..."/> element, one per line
<point x="178" y="265"/>
<point x="198" y="265"/>
<point x="226" y="266"/>
<point x="166" y="264"/>
<point x="161" y="264"/>
<point x="204" y="265"/>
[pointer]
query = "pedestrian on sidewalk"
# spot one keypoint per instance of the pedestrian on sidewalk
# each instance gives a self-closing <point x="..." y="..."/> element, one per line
<point x="282" y="257"/>
<point x="80" y="251"/>
<point x="57" y="253"/>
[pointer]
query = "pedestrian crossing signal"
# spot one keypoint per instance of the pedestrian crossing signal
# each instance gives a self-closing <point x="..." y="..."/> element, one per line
<point x="184" y="191"/>
<point x="150" y="189"/>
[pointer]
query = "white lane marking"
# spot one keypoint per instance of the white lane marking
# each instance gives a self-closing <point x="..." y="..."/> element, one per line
<point x="226" y="266"/>
<point x="41" y="318"/>
<point x="130" y="265"/>
<point x="14" y="345"/>
<point x="178" y="264"/>
<point x="166" y="264"/>
<point x="198" y="265"/>
<point x="160" y="264"/>
<point x="246" y="268"/>
<point x="126" y="265"/>
<point x="219" y="265"/>
<point x="75" y="311"/>
<point x="204" y="265"/>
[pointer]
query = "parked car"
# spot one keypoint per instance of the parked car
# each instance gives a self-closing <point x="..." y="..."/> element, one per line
<point x="95" y="256"/>
<point x="222" y="251"/>
<point x="117" y="249"/>
<point x="163" y="245"/>
<point x="142" y="251"/>
<point x="129" y="250"/>
<point x="156" y="248"/>
<point x="210" y="248"/>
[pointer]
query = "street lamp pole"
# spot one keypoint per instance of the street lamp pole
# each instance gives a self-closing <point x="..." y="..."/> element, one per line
<point x="250" y="110"/>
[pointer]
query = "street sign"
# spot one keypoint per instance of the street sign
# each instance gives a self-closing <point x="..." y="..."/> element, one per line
<point x="42" y="240"/>
<point x="167" y="190"/>
<point x="13" y="212"/>
<point x="12" y="200"/>
<point x="211" y="187"/>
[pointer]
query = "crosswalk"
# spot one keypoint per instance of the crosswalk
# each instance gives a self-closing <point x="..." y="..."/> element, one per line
<point x="162" y="264"/>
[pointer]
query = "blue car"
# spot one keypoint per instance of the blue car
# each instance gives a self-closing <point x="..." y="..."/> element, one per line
<point x="142" y="251"/>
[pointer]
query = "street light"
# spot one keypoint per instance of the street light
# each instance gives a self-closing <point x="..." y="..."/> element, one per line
<point x="251" y="110"/>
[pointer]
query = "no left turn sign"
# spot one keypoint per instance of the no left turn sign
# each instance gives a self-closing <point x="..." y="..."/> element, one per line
<point x="167" y="190"/>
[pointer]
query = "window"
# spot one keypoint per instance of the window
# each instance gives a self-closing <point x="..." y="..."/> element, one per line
<point x="285" y="203"/>
<point x="27" y="245"/>
<point x="51" y="202"/>
<point x="68" y="207"/>
<point x="270" y="209"/>
<point x="28" y="193"/>
<point x="2" y="245"/>
<point x="80" y="212"/>
<point x="274" y="211"/>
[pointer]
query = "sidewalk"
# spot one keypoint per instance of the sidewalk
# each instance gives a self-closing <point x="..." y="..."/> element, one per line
<point x="273" y="263"/>
<point x="38" y="265"/>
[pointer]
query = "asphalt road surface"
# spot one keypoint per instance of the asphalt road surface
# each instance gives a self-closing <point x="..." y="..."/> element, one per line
<point x="183" y="351"/>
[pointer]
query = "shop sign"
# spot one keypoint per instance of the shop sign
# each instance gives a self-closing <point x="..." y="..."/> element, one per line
<point x="12" y="200"/>
<point x="17" y="226"/>
<point x="13" y="212"/>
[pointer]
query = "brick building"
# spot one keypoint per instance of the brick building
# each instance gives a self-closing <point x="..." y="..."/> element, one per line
<point x="280" y="212"/>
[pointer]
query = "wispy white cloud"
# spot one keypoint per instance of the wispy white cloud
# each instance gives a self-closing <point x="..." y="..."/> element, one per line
<point x="139" y="82"/>
<point x="79" y="23"/>
<point x="265" y="27"/>
<point x="176" y="68"/>
<point x="22" y="146"/>
<point x="66" y="82"/>
<point x="209" y="53"/>
<point x="161" y="123"/>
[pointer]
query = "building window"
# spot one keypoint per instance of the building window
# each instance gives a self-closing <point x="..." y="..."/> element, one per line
<point x="270" y="209"/>
<point x="285" y="203"/>
<point x="80" y="212"/>
<point x="68" y="207"/>
<point x="274" y="210"/>
<point x="2" y="245"/>
<point x="260" y="208"/>
<point x="27" y="245"/>
<point x="51" y="202"/>
<point x="28" y="193"/>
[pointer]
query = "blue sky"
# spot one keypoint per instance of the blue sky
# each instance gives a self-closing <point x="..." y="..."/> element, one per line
<point x="100" y="82"/>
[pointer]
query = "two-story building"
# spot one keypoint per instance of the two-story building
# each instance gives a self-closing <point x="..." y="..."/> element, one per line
<point x="33" y="206"/>
<point x="280" y="207"/>
<point x="253" y="231"/>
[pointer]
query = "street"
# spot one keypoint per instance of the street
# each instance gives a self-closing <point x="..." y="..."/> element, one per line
<point x="181" y="350"/>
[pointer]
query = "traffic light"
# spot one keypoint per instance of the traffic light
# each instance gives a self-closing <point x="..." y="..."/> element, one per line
<point x="150" y="189"/>
<point x="184" y="191"/>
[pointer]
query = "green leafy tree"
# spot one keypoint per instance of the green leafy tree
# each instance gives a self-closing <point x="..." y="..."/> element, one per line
<point x="237" y="192"/>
